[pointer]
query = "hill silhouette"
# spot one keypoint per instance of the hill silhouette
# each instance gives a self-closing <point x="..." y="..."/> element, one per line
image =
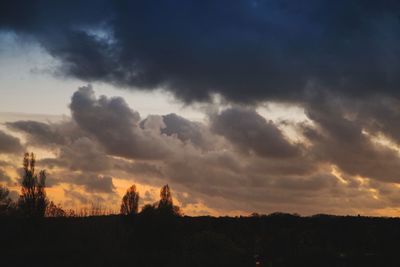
<point x="155" y="240"/>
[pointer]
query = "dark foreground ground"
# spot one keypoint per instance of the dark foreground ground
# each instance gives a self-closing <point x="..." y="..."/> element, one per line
<point x="278" y="240"/>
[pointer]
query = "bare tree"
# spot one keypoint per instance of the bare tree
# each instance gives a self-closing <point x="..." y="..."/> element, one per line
<point x="130" y="201"/>
<point x="5" y="200"/>
<point x="32" y="201"/>
<point x="54" y="210"/>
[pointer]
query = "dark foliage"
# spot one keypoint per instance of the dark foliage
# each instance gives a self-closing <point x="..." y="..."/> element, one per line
<point x="130" y="201"/>
<point x="149" y="210"/>
<point x="32" y="201"/>
<point x="165" y="206"/>
<point x="5" y="201"/>
<point x="275" y="240"/>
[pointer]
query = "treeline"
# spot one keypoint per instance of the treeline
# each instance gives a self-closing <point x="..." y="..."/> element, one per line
<point x="159" y="236"/>
<point x="34" y="203"/>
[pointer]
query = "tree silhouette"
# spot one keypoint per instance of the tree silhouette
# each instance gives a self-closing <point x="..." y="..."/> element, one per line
<point x="149" y="210"/>
<point x="166" y="205"/>
<point x="54" y="210"/>
<point x="32" y="201"/>
<point x="130" y="201"/>
<point x="5" y="200"/>
<point x="165" y="198"/>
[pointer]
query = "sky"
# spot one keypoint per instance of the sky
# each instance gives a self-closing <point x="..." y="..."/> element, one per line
<point x="240" y="106"/>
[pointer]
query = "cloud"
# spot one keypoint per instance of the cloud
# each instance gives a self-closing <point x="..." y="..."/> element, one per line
<point x="75" y="197"/>
<point x="113" y="124"/>
<point x="247" y="50"/>
<point x="40" y="133"/>
<point x="188" y="131"/>
<point x="5" y="178"/>
<point x="96" y="183"/>
<point x="83" y="154"/>
<point x="235" y="161"/>
<point x="148" y="197"/>
<point x="340" y="138"/>
<point x="91" y="182"/>
<point x="9" y="144"/>
<point x="250" y="132"/>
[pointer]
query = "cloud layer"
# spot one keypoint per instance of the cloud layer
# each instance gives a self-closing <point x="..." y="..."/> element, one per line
<point x="234" y="161"/>
<point x="247" y="50"/>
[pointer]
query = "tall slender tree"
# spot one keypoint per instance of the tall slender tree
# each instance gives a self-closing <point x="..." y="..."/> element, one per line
<point x="130" y="201"/>
<point x="32" y="201"/>
<point x="166" y="205"/>
<point x="165" y="198"/>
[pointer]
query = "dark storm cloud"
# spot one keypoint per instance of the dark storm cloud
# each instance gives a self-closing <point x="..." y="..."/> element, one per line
<point x="247" y="50"/>
<point x="9" y="144"/>
<point x="251" y="132"/>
